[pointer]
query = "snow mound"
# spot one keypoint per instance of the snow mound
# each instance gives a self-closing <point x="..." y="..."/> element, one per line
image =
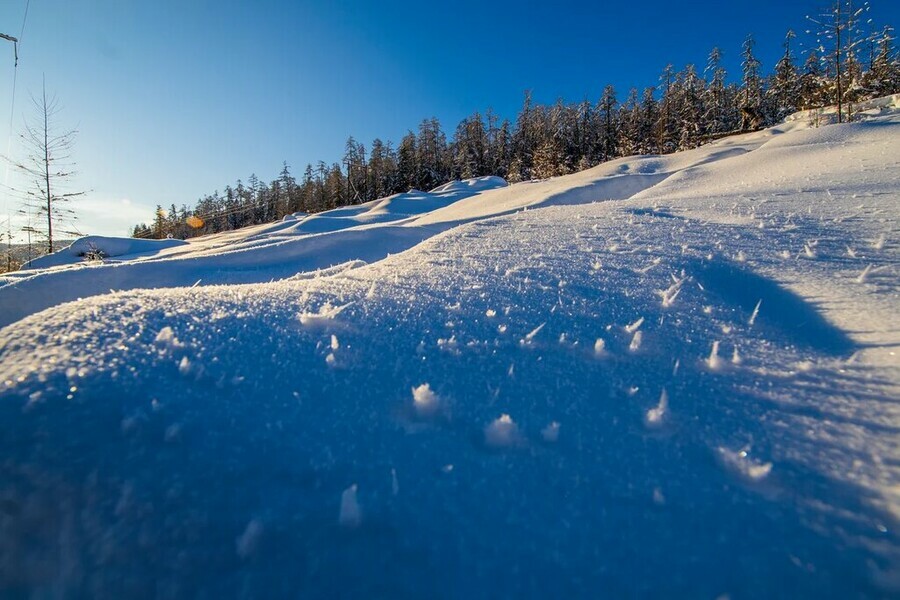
<point x="478" y="184"/>
<point x="100" y="247"/>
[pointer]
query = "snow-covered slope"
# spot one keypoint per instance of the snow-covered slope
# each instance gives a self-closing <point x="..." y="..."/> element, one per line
<point x="669" y="376"/>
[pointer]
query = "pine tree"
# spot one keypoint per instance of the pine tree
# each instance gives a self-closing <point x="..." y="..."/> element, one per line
<point x="716" y="101"/>
<point x="883" y="77"/>
<point x="407" y="169"/>
<point x="751" y="95"/>
<point x="499" y="147"/>
<point x="470" y="148"/>
<point x="812" y="87"/>
<point x="648" y="139"/>
<point x="784" y="92"/>
<point x="609" y="136"/>
<point x="382" y="171"/>
<point x="666" y="132"/>
<point x="585" y="135"/>
<point x="630" y="125"/>
<point x="433" y="166"/>
<point x="159" y="223"/>
<point x="290" y="199"/>
<point x="689" y="102"/>
<point x="525" y="140"/>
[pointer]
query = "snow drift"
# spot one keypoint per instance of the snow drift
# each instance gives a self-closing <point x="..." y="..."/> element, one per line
<point x="665" y="376"/>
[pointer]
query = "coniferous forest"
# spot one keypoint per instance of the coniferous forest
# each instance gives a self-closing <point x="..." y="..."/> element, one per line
<point x="687" y="108"/>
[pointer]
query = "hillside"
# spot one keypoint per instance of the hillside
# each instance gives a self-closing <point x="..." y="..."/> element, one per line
<point x="664" y="376"/>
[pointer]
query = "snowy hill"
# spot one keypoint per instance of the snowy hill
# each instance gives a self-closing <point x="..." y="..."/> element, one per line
<point x="664" y="376"/>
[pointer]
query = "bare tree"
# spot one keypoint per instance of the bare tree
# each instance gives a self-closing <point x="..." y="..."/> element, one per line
<point x="839" y="37"/>
<point x="48" y="166"/>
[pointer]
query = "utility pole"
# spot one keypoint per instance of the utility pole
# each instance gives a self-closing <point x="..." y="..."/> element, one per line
<point x="15" y="42"/>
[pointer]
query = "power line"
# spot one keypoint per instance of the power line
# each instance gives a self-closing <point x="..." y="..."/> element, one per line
<point x="12" y="107"/>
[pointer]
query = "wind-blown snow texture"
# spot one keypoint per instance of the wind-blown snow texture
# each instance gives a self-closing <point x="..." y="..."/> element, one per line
<point x="669" y="376"/>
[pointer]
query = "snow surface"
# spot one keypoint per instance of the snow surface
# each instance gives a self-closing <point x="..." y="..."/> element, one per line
<point x="664" y="376"/>
<point x="95" y="247"/>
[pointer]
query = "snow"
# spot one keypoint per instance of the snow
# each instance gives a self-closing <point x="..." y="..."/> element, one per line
<point x="425" y="401"/>
<point x="502" y="432"/>
<point x="350" y="515"/>
<point x="96" y="247"/>
<point x="195" y="439"/>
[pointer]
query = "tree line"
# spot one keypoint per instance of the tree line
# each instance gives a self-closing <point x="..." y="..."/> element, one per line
<point x="688" y="108"/>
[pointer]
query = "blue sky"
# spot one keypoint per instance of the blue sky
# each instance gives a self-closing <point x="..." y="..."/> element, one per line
<point x="176" y="98"/>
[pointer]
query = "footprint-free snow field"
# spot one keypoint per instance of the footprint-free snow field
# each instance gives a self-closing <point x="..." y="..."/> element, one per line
<point x="665" y="376"/>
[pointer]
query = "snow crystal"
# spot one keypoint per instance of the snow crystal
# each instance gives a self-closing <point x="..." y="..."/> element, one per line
<point x="741" y="464"/>
<point x="714" y="362"/>
<point x="173" y="432"/>
<point x="502" y="432"/>
<point x="671" y="293"/>
<point x="528" y="339"/>
<point x="635" y="344"/>
<point x="323" y="318"/>
<point x="350" y="515"/>
<point x="166" y="340"/>
<point x="634" y="326"/>
<point x="869" y="270"/>
<point x="550" y="433"/>
<point x="755" y="313"/>
<point x="185" y="367"/>
<point x="655" y="416"/>
<point x="395" y="484"/>
<point x="425" y="401"/>
<point x="658" y="497"/>
<point x="248" y="542"/>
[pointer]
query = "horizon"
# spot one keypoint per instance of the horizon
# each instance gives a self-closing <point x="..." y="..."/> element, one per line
<point x="175" y="102"/>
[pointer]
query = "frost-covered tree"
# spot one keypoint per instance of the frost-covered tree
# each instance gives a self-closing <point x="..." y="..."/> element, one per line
<point x="688" y="100"/>
<point x="48" y="167"/>
<point x="630" y="125"/>
<point x="667" y="123"/>
<point x="812" y="84"/>
<point x="751" y="94"/>
<point x="609" y="124"/>
<point x="499" y="146"/>
<point x="470" y="148"/>
<point x="648" y="139"/>
<point x="407" y="163"/>
<point x="883" y="76"/>
<point x="839" y="37"/>
<point x="433" y="166"/>
<point x="549" y="140"/>
<point x="382" y="171"/>
<point x="525" y="139"/>
<point x="355" y="166"/>
<point x="718" y="106"/>
<point x="783" y="94"/>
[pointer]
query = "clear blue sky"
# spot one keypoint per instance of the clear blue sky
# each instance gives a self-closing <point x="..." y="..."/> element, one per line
<point x="176" y="98"/>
